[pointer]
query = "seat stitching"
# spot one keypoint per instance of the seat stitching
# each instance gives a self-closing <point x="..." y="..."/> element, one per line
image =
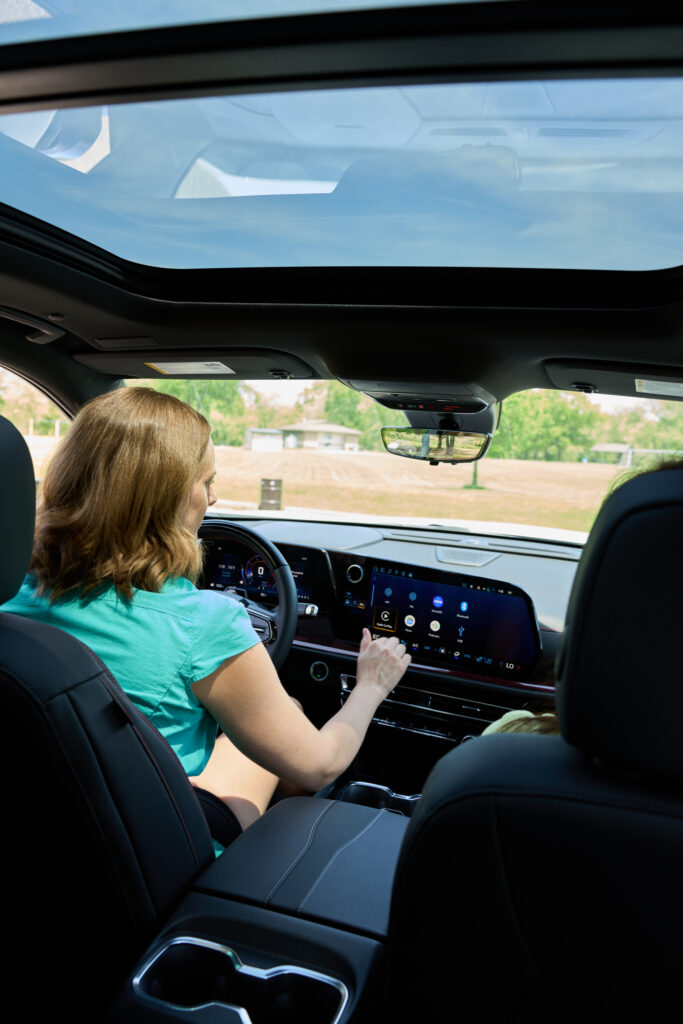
<point x="130" y="711"/>
<point x="623" y="803"/>
<point x="113" y="688"/>
<point x="301" y="854"/>
<point x="501" y="861"/>
<point x="95" y="818"/>
<point x="341" y="849"/>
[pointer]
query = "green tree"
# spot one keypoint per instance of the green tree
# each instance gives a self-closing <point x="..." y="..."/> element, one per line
<point x="342" y="405"/>
<point x="45" y="425"/>
<point x="261" y="411"/>
<point x="311" y="402"/>
<point x="662" y="429"/>
<point x="220" y="401"/>
<point x="353" y="409"/>
<point x="549" y="425"/>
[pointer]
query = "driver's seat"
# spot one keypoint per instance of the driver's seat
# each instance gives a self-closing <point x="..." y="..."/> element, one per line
<point x="102" y="831"/>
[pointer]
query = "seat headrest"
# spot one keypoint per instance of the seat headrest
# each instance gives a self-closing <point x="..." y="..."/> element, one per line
<point x="17" y="509"/>
<point x="620" y="684"/>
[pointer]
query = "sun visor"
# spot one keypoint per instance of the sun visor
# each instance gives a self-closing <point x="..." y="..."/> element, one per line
<point x="635" y="381"/>
<point x="205" y="364"/>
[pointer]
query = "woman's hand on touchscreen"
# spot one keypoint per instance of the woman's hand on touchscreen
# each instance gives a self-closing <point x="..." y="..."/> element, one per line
<point x="381" y="663"/>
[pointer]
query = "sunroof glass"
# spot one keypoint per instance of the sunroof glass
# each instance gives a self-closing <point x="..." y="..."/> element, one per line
<point x="23" y="20"/>
<point x="556" y="174"/>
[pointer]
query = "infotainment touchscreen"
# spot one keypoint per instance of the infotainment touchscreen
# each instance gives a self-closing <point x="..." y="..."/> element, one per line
<point x="467" y="623"/>
<point x="482" y="625"/>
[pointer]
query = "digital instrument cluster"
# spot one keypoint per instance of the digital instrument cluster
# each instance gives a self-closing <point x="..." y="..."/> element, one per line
<point x="229" y="565"/>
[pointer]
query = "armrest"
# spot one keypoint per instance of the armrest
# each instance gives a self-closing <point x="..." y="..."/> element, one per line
<point x="320" y="859"/>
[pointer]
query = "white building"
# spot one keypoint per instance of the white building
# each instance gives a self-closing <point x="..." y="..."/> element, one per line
<point x="263" y="439"/>
<point x="321" y="435"/>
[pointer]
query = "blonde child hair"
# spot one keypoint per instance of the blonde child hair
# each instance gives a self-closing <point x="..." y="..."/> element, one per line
<point x="544" y="723"/>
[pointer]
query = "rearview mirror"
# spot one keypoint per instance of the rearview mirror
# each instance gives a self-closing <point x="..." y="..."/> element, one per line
<point x="435" y="445"/>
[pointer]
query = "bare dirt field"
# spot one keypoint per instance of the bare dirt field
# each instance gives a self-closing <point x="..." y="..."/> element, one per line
<point x="566" y="495"/>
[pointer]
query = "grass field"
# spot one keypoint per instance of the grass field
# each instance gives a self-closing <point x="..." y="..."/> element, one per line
<point x="557" y="494"/>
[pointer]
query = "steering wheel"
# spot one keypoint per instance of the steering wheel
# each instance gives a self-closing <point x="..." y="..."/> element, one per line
<point x="275" y="626"/>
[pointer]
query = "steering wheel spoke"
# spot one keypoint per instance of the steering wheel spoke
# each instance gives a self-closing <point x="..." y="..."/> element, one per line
<point x="264" y="620"/>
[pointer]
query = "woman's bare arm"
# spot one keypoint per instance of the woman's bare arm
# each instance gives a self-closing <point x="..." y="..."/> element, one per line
<point x="248" y="701"/>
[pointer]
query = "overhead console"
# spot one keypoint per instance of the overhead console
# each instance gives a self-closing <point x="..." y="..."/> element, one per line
<point x="394" y="394"/>
<point x="429" y="404"/>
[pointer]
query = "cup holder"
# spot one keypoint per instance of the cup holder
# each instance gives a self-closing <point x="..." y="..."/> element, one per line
<point x="190" y="973"/>
<point x="370" y="794"/>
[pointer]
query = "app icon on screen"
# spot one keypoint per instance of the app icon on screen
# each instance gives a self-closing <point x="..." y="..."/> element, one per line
<point x="437" y="601"/>
<point x="384" y="618"/>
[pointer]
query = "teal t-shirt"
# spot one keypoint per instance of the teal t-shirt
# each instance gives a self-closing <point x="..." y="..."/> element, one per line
<point x="156" y="646"/>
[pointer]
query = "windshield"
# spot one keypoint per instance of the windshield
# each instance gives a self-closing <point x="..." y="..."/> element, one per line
<point x="313" y="449"/>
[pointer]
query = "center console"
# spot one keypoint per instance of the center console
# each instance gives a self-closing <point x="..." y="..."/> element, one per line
<point x="288" y="925"/>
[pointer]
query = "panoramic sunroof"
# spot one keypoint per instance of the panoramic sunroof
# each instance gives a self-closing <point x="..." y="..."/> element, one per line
<point x="23" y="20"/>
<point x="558" y="174"/>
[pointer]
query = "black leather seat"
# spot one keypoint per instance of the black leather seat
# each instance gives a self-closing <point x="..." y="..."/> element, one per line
<point x="540" y="877"/>
<point x="102" y="832"/>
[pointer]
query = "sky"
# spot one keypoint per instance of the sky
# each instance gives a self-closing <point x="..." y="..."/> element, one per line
<point x="618" y="403"/>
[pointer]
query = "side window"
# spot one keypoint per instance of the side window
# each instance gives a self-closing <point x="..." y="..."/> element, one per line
<point x="35" y="416"/>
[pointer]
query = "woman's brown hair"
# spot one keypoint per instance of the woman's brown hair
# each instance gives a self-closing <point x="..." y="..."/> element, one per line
<point x="112" y="496"/>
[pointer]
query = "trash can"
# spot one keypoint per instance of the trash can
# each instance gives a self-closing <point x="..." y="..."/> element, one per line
<point x="271" y="494"/>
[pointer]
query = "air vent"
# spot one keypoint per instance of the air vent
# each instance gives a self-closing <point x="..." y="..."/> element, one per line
<point x="465" y="556"/>
<point x="499" y="544"/>
<point x="479" y="132"/>
<point x="584" y="133"/>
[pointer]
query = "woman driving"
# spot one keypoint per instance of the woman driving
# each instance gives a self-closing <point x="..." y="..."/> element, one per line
<point x="115" y="562"/>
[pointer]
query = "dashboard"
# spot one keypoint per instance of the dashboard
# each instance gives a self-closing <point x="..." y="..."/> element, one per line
<point x="452" y="622"/>
<point x="481" y="614"/>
